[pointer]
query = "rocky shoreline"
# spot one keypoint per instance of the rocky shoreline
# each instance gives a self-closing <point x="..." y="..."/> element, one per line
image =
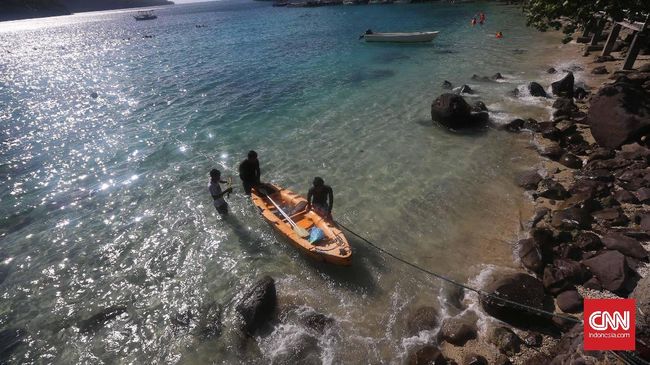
<point x="590" y="233"/>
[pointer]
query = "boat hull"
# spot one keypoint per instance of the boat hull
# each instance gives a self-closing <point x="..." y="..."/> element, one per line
<point x="333" y="248"/>
<point x="401" y="37"/>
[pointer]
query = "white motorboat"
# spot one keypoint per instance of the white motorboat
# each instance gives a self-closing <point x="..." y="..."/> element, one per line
<point x="413" y="37"/>
<point x="145" y="15"/>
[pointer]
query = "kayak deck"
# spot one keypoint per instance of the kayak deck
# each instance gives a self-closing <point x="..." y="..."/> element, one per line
<point x="333" y="248"/>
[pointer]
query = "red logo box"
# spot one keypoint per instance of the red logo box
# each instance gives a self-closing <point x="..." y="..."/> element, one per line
<point x="609" y="324"/>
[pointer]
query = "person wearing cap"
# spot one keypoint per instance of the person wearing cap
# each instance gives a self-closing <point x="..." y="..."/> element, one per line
<point x="215" y="190"/>
<point x="249" y="172"/>
<point x="321" y="198"/>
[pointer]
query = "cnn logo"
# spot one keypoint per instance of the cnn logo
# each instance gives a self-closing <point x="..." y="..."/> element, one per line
<point x="603" y="321"/>
<point x="609" y="324"/>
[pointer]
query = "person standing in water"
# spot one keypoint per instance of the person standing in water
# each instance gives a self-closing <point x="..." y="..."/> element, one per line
<point x="481" y="18"/>
<point x="473" y="21"/>
<point x="217" y="195"/>
<point x="249" y="172"/>
<point x="320" y="198"/>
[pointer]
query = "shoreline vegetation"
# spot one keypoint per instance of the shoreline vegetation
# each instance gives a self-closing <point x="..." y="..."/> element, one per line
<point x="18" y="9"/>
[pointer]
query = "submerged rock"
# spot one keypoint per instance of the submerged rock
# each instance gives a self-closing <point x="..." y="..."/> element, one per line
<point x="423" y="318"/>
<point x="447" y="85"/>
<point x="465" y="89"/>
<point x="209" y="325"/>
<point x="258" y="304"/>
<point x="10" y="339"/>
<point x="457" y="331"/>
<point x="98" y="320"/>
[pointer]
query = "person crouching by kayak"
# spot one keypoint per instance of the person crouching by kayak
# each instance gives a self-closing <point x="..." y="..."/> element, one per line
<point x="249" y="172"/>
<point x="215" y="190"/>
<point x="320" y="198"/>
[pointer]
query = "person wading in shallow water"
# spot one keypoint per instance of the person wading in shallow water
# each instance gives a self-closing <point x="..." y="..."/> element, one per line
<point x="320" y="198"/>
<point x="215" y="190"/>
<point x="249" y="172"/>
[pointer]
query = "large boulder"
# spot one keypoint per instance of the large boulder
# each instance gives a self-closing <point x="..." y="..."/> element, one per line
<point x="457" y="331"/>
<point x="423" y="318"/>
<point x="521" y="288"/>
<point x="529" y="180"/>
<point x="572" y="218"/>
<point x="257" y="305"/>
<point x="564" y="107"/>
<point x="531" y="255"/>
<point x="427" y="355"/>
<point x="611" y="270"/>
<point x="536" y="89"/>
<point x="619" y="113"/>
<point x="564" y="87"/>
<point x="454" y="112"/>
<point x="562" y="275"/>
<point x="505" y="340"/>
<point x="551" y="189"/>
<point x="626" y="245"/>
<point x="570" y="301"/>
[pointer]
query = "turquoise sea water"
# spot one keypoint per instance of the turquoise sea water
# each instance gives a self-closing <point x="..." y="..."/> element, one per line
<point x="104" y="200"/>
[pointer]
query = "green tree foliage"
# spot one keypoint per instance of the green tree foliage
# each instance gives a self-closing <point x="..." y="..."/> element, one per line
<point x="545" y="14"/>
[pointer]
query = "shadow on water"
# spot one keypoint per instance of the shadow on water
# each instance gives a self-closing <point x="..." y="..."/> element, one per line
<point x="390" y="57"/>
<point x="250" y="242"/>
<point x="359" y="76"/>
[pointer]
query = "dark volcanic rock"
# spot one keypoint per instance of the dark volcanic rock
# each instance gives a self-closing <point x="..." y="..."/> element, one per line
<point x="551" y="189"/>
<point x="531" y="255"/>
<point x="626" y="245"/>
<point x="600" y="70"/>
<point x="481" y="78"/>
<point x="570" y="301"/>
<point x="96" y="321"/>
<point x="609" y="217"/>
<point x="452" y="111"/>
<point x="564" y="87"/>
<point x="643" y="195"/>
<point x="536" y="89"/>
<point x="564" y="107"/>
<point x="497" y="76"/>
<point x="571" y="161"/>
<point x="522" y="288"/>
<point x="551" y="70"/>
<point x="424" y="318"/>
<point x="465" y="89"/>
<point x="514" y="125"/>
<point x="562" y="275"/>
<point x="619" y="113"/>
<point x="551" y="150"/>
<point x="529" y="180"/>
<point x="479" y="106"/>
<point x="588" y="241"/>
<point x="624" y="196"/>
<point x="447" y="85"/>
<point x="505" y="340"/>
<point x="572" y="218"/>
<point x="317" y="321"/>
<point x="457" y="331"/>
<point x="580" y="93"/>
<point x="258" y="304"/>
<point x="610" y="268"/>
<point x="428" y="355"/>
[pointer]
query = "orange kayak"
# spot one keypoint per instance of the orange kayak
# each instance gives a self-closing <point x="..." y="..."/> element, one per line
<point x="333" y="248"/>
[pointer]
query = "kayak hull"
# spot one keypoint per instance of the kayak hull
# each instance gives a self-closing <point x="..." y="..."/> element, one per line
<point x="333" y="248"/>
<point x="416" y="37"/>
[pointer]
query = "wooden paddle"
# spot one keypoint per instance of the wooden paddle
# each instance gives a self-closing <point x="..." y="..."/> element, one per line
<point x="299" y="230"/>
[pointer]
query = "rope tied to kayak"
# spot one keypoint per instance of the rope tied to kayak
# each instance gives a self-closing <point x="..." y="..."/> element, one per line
<point x="627" y="357"/>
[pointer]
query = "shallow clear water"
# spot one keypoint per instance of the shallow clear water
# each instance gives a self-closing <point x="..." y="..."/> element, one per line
<point x="104" y="200"/>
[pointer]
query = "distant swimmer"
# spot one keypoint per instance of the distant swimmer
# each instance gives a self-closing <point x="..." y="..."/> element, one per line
<point x="473" y="21"/>
<point x="215" y="190"/>
<point x="499" y="35"/>
<point x="481" y="18"/>
<point x="321" y="198"/>
<point x="249" y="172"/>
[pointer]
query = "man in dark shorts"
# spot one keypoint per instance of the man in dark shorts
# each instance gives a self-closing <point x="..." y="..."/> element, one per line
<point x="249" y="172"/>
<point x="215" y="190"/>
<point x="321" y="198"/>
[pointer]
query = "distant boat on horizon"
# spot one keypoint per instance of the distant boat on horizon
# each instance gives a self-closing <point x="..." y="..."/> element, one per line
<point x="145" y="15"/>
